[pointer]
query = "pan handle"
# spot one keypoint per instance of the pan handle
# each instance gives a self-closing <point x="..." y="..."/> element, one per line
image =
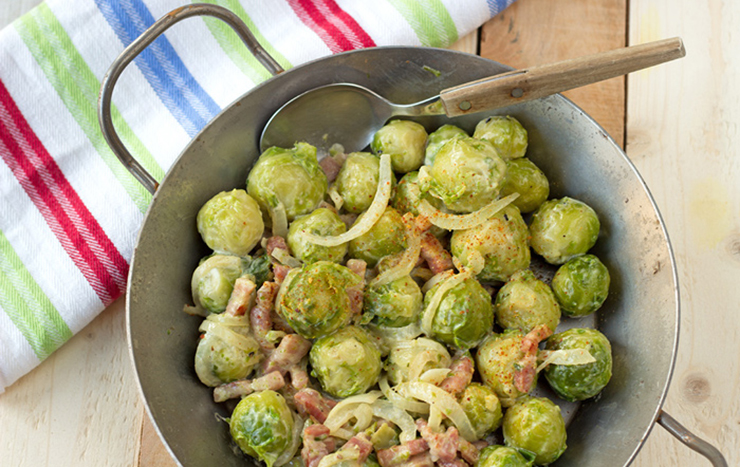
<point x="691" y="440"/>
<point x="137" y="46"/>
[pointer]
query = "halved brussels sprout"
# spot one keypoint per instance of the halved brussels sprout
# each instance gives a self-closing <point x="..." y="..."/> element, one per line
<point x="386" y="237"/>
<point x="466" y="175"/>
<point x="395" y="304"/>
<point x="497" y="359"/>
<point x="482" y="407"/>
<point x="581" y="285"/>
<point x="506" y="134"/>
<point x="562" y="229"/>
<point x="357" y="181"/>
<point x="525" y="302"/>
<point x="262" y="426"/>
<point x="535" y="424"/>
<point x="346" y="362"/>
<point x="226" y="352"/>
<point x="525" y="178"/>
<point x="323" y="222"/>
<point x="410" y="359"/>
<point x="579" y="382"/>
<point x="438" y="138"/>
<point x="405" y="141"/>
<point x="463" y="316"/>
<point x="314" y="299"/>
<point x="291" y="177"/>
<point x="500" y="244"/>
<point x="213" y="281"/>
<point x="504" y="456"/>
<point x="231" y="222"/>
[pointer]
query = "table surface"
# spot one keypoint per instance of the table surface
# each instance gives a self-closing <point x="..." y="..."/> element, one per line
<point x="678" y="123"/>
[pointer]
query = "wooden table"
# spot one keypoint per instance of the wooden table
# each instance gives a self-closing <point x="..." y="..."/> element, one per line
<point x="678" y="123"/>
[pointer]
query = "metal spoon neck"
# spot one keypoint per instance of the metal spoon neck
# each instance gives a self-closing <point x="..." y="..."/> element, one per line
<point x="431" y="106"/>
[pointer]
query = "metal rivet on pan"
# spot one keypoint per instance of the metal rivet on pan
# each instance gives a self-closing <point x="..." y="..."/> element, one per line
<point x="517" y="92"/>
<point x="465" y="105"/>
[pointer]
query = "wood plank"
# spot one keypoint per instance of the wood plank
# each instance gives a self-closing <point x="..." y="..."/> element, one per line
<point x="682" y="133"/>
<point x="535" y="32"/>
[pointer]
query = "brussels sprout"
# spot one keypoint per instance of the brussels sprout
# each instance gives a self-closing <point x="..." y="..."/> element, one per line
<point x="438" y="138"/>
<point x="525" y="302"/>
<point x="395" y="304"/>
<point x="213" y="281"/>
<point x="463" y="315"/>
<point x="535" y="424"/>
<point x="262" y="426"/>
<point x="314" y="299"/>
<point x="581" y="285"/>
<point x="346" y="362"/>
<point x="357" y="181"/>
<point x="506" y="134"/>
<point x="467" y="174"/>
<point x="497" y="361"/>
<point x="562" y="229"/>
<point x="405" y="141"/>
<point x="323" y="222"/>
<point x="525" y="178"/>
<point x="408" y="195"/>
<point x="231" y="222"/>
<point x="410" y="359"/>
<point x="501" y="242"/>
<point x="292" y="177"/>
<point x="482" y="407"/>
<point x="504" y="456"/>
<point x="386" y="237"/>
<point x="258" y="267"/>
<point x="226" y="352"/>
<point x="579" y="382"/>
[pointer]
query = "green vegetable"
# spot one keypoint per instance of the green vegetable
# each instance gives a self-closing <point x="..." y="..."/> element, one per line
<point x="346" y="362"/>
<point x="506" y="134"/>
<point x="526" y="302"/>
<point x="503" y="456"/>
<point x="405" y="141"/>
<point x="357" y="181"/>
<point x="395" y="304"/>
<point x="482" y="407"/>
<point x="438" y="138"/>
<point x="226" y="352"/>
<point x="579" y="382"/>
<point x="213" y="281"/>
<point x="497" y="361"/>
<point x="535" y="424"/>
<point x="525" y="178"/>
<point x="231" y="222"/>
<point x="562" y="229"/>
<point x="410" y="359"/>
<point x="386" y="237"/>
<point x="581" y="285"/>
<point x="323" y="222"/>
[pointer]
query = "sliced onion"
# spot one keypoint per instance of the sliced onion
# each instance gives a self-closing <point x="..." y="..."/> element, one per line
<point x="463" y="221"/>
<point x="420" y="360"/>
<point x="408" y="258"/>
<point x="443" y="401"/>
<point x="390" y="334"/>
<point x="344" y="411"/>
<point x="434" y="376"/>
<point x="435" y="419"/>
<point x="370" y="217"/>
<point x="285" y="259"/>
<point x="427" y="318"/>
<point x="435" y="279"/>
<point x="565" y="357"/>
<point x="336" y="198"/>
<point x="279" y="220"/>
<point x="389" y="411"/>
<point x="399" y="401"/>
<point x="232" y="338"/>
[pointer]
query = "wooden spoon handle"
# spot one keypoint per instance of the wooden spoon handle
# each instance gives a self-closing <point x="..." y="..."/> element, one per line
<point x="541" y="81"/>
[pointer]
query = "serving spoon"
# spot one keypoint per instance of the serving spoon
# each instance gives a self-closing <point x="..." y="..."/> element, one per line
<point x="351" y="114"/>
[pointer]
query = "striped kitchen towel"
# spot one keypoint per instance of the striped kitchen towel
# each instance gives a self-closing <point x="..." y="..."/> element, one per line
<point x="70" y="211"/>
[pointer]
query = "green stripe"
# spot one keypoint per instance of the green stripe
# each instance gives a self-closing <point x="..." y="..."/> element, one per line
<point x="429" y="19"/>
<point x="27" y="306"/>
<point x="235" y="48"/>
<point x="77" y="86"/>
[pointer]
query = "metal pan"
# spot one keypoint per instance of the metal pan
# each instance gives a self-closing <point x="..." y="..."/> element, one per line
<point x="640" y="318"/>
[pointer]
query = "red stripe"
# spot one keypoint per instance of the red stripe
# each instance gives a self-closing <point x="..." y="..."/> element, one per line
<point x="351" y="28"/>
<point x="310" y="15"/>
<point x="64" y="212"/>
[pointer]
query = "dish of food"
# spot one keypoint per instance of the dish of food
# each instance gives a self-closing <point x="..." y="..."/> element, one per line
<point x="379" y="309"/>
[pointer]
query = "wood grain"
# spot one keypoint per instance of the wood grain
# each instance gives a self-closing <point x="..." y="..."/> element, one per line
<point x="535" y="32"/>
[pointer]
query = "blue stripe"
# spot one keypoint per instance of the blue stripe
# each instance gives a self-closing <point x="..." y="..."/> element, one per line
<point x="178" y="90"/>
<point x="497" y="6"/>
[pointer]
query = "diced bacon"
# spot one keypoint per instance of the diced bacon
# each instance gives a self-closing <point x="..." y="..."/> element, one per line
<point x="420" y="460"/>
<point x="525" y="376"/>
<point x="357" y="266"/>
<point x="462" y="373"/>
<point x="357" y="294"/>
<point x="280" y="271"/>
<point x="438" y="259"/>
<point x="276" y="242"/>
<point x="298" y="377"/>
<point x="290" y="351"/>
<point x="241" y="297"/>
<point x="331" y="167"/>
<point x="260" y="316"/>
<point x="442" y="446"/>
<point x="403" y="453"/>
<point x="311" y="402"/>
<point x="316" y="444"/>
<point x="272" y="381"/>
<point x="453" y="463"/>
<point x="471" y="451"/>
<point x="360" y="445"/>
